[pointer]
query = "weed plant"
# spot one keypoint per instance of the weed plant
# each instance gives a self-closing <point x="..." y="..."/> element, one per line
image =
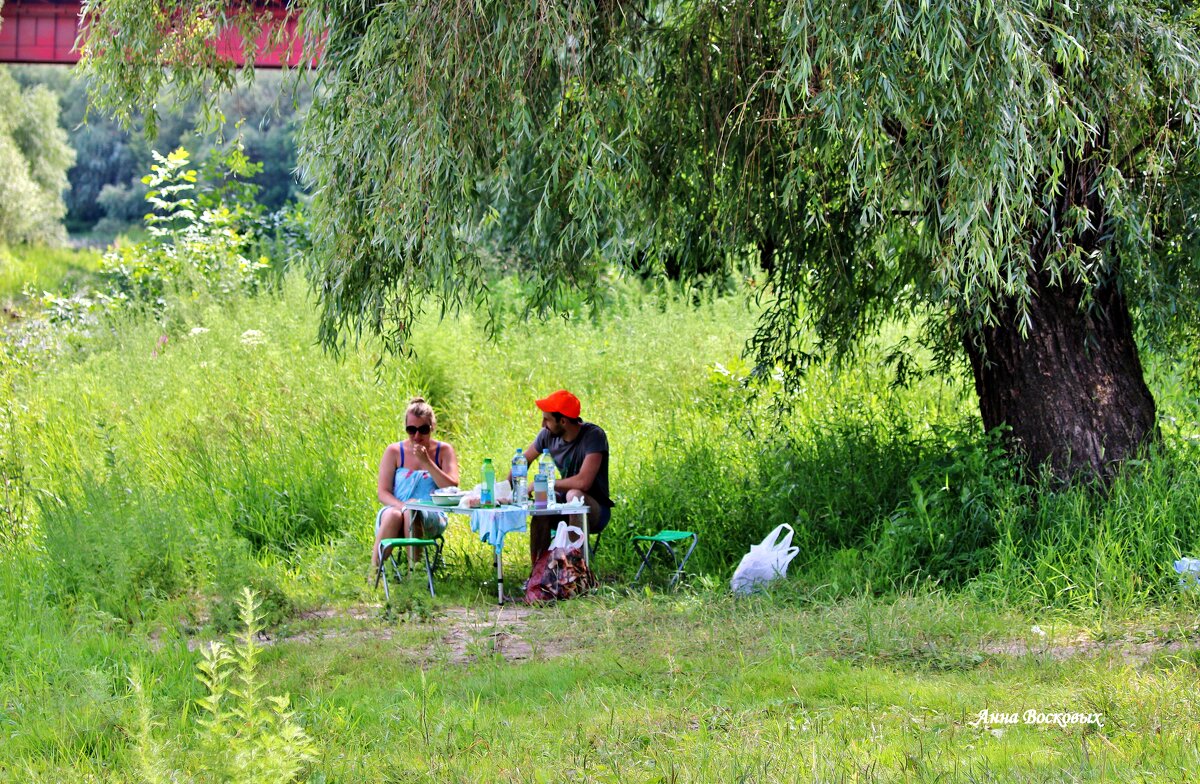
<point x="245" y="737"/>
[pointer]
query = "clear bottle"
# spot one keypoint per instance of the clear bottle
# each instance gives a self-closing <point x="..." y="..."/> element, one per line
<point x="539" y="491"/>
<point x="520" y="478"/>
<point x="546" y="466"/>
<point x="487" y="495"/>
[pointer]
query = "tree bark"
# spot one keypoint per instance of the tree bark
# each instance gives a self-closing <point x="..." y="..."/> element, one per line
<point x="1072" y="391"/>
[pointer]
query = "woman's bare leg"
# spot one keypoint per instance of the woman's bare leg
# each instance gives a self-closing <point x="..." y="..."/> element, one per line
<point x="390" y="526"/>
<point x="413" y="529"/>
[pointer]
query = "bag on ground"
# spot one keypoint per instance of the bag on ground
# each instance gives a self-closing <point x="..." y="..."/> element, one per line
<point x="765" y="561"/>
<point x="560" y="572"/>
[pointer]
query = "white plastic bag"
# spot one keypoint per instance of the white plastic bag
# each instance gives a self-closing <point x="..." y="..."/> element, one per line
<point x="765" y="561"/>
<point x="562" y="537"/>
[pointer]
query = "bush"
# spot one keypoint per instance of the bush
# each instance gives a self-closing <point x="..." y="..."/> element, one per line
<point x="201" y="246"/>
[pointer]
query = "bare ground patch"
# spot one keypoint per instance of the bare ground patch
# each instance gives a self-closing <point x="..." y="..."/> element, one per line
<point x="1132" y="651"/>
<point x="465" y="634"/>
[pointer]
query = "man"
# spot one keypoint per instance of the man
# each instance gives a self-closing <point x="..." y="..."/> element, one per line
<point x="580" y="452"/>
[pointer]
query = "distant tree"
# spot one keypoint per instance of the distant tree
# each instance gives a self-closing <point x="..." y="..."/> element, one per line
<point x="1009" y="171"/>
<point x="34" y="158"/>
<point x="110" y="159"/>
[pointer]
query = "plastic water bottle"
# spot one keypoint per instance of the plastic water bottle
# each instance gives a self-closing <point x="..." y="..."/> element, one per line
<point x="539" y="491"/>
<point x="520" y="478"/>
<point x="546" y="466"/>
<point x="487" y="495"/>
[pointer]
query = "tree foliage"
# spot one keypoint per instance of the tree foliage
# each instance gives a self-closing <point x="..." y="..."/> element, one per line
<point x="877" y="157"/>
<point x="34" y="158"/>
<point x="1013" y="172"/>
<point x="106" y="193"/>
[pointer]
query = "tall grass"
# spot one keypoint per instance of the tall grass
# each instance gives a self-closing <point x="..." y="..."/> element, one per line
<point x="207" y="448"/>
<point x="42" y="268"/>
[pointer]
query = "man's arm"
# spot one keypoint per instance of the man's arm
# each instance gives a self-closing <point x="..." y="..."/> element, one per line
<point x="587" y="474"/>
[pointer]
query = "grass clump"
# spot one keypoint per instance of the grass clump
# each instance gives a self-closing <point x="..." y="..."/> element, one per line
<point x="277" y="449"/>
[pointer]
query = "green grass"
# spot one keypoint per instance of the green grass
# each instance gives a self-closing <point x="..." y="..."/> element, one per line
<point x="701" y="688"/>
<point x="44" y="269"/>
<point x="688" y="687"/>
<point x="152" y="471"/>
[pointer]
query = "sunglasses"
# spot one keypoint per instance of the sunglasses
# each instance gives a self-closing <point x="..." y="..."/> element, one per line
<point x="412" y="430"/>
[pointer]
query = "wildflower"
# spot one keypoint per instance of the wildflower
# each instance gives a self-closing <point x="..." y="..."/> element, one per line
<point x="198" y="331"/>
<point x="1189" y="572"/>
<point x="1038" y="630"/>
<point x="252" y="337"/>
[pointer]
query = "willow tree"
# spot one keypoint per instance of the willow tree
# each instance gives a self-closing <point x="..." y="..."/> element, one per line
<point x="34" y="159"/>
<point x="1008" y="172"/>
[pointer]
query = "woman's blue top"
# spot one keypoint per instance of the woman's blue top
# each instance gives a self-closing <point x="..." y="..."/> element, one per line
<point x="412" y="483"/>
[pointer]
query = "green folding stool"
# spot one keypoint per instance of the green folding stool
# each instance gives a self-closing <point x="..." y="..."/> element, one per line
<point x="395" y="556"/>
<point x="666" y="538"/>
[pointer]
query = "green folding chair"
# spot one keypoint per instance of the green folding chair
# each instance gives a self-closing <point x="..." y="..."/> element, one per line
<point x="396" y="556"/>
<point x="666" y="538"/>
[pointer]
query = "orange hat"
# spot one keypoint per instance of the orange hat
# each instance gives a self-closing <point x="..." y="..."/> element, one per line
<point x="560" y="402"/>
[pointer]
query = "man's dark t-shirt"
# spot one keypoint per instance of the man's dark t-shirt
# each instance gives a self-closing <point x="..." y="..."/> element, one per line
<point x="568" y="456"/>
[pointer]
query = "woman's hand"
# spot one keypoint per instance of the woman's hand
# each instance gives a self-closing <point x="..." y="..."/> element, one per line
<point x="420" y="456"/>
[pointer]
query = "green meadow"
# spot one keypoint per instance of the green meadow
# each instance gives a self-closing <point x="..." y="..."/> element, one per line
<point x="39" y="268"/>
<point x="156" y="465"/>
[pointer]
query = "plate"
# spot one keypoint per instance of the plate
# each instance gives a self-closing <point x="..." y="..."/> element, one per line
<point x="447" y="500"/>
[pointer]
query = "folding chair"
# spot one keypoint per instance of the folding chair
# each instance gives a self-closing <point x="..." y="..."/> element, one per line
<point x="394" y="556"/>
<point x="665" y="538"/>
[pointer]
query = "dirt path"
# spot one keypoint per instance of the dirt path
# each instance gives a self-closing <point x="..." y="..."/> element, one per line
<point x="516" y="632"/>
<point x="466" y="633"/>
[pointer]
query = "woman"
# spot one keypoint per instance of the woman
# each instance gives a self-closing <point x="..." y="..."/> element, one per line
<point x="410" y="471"/>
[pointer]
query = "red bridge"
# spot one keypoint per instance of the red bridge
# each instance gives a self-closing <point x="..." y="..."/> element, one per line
<point x="44" y="31"/>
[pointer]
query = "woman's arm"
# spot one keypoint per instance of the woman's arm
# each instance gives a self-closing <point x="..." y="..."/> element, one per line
<point x="442" y="476"/>
<point x="387" y="475"/>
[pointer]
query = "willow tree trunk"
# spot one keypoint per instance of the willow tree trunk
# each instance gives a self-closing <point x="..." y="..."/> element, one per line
<point x="1071" y="391"/>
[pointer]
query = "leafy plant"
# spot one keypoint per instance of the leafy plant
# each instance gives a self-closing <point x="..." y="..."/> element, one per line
<point x="197" y="241"/>
<point x="204" y="229"/>
<point x="246" y="737"/>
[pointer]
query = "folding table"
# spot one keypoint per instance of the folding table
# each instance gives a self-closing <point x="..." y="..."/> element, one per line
<point x="496" y="537"/>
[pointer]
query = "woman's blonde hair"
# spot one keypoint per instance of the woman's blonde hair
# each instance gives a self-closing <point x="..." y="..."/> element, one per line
<point x="419" y="408"/>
